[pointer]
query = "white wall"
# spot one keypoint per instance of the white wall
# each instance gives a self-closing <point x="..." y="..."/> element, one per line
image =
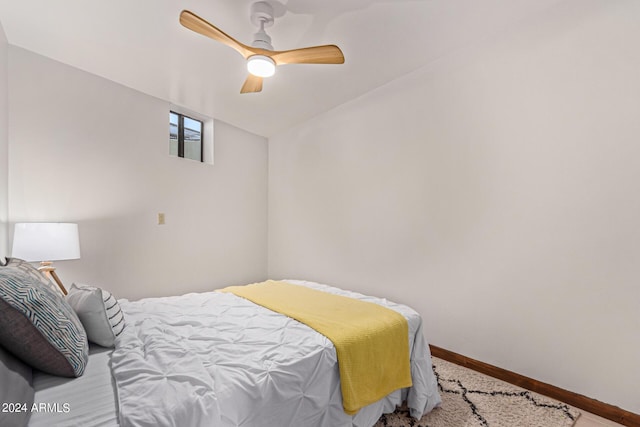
<point x="4" y="145"/>
<point x="495" y="191"/>
<point x="84" y="149"/>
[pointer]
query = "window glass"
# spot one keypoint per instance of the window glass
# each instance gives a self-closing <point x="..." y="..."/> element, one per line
<point x="173" y="134"/>
<point x="185" y="136"/>
<point x="192" y="139"/>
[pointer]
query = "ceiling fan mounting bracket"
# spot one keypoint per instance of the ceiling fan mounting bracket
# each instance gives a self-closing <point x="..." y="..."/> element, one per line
<point x="262" y="14"/>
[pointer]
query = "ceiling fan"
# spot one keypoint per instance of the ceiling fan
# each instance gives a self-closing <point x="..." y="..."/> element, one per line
<point x="261" y="58"/>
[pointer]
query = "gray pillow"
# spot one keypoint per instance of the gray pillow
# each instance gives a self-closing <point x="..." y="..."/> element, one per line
<point x="16" y="390"/>
<point x="39" y="327"/>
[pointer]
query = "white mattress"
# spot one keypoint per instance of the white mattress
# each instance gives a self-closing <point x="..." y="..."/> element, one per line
<point x="86" y="401"/>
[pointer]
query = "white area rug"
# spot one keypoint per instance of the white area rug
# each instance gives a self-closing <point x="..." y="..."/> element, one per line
<point x="471" y="399"/>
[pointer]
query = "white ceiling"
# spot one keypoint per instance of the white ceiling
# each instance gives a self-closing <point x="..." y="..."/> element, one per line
<point x="140" y="44"/>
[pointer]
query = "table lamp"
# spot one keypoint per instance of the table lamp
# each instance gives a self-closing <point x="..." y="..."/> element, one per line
<point x="46" y="242"/>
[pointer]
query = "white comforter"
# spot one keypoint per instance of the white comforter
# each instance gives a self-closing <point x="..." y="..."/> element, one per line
<point x="215" y="359"/>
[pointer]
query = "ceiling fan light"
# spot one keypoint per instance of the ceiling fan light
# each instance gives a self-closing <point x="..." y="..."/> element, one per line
<point x="261" y="66"/>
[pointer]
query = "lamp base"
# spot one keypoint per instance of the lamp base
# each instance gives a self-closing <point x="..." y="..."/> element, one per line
<point x="50" y="271"/>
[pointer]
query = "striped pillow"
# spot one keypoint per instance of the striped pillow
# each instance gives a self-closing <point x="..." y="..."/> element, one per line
<point x="99" y="312"/>
<point x="39" y="327"/>
<point x="30" y="270"/>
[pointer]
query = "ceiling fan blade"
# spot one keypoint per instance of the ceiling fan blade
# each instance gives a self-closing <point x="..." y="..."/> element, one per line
<point x="252" y="84"/>
<point x="193" y="22"/>
<point x="327" y="54"/>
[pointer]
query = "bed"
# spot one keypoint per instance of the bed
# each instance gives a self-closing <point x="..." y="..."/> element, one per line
<point x="216" y="359"/>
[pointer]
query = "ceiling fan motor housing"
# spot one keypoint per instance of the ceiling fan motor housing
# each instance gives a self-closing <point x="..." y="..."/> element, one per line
<point x="262" y="40"/>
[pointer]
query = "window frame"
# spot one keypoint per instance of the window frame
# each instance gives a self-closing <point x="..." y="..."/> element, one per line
<point x="181" y="134"/>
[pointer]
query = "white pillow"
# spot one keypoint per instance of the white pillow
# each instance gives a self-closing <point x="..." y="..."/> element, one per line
<point x="99" y="313"/>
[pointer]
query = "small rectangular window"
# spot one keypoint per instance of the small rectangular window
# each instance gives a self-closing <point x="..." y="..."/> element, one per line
<point x="185" y="136"/>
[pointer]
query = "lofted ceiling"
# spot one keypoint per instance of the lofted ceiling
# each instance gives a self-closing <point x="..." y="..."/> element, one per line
<point x="140" y="44"/>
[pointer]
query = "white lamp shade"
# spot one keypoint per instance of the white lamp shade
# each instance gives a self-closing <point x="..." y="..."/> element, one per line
<point x="45" y="241"/>
<point x="261" y="66"/>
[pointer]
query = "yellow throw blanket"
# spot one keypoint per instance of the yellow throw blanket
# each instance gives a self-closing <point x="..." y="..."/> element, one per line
<point x="371" y="341"/>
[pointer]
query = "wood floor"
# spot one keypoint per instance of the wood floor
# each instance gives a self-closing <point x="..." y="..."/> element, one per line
<point x="589" y="420"/>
